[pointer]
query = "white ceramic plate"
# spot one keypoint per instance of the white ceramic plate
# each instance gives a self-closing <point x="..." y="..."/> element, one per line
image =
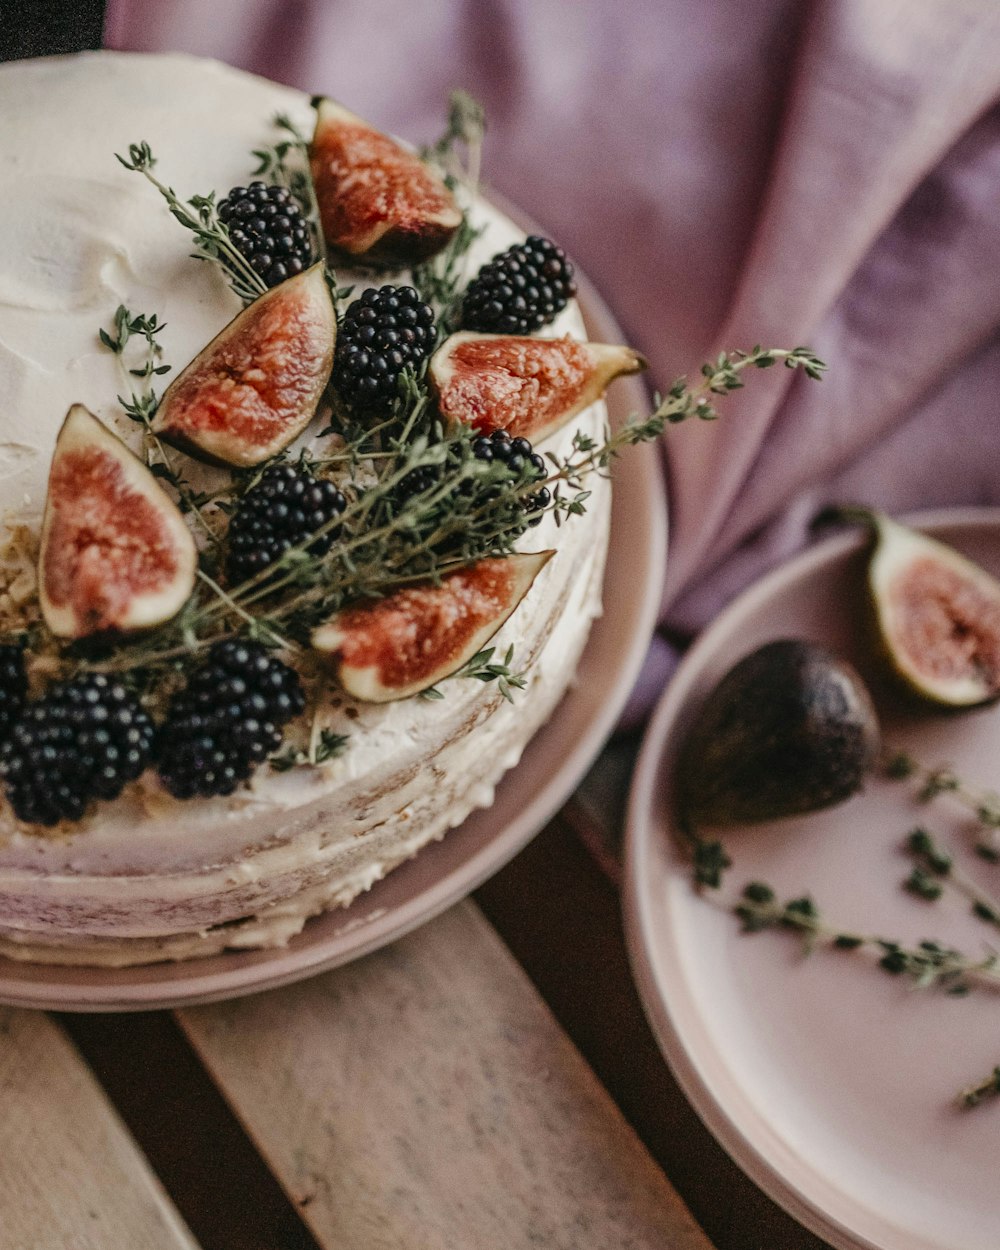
<point x="831" y="1083"/>
<point x="446" y="871"/>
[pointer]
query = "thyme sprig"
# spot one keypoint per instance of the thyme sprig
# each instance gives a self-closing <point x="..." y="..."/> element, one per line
<point x="927" y="964"/>
<point x="285" y="163"/>
<point x="682" y="402"/>
<point x="387" y="538"/>
<point x="457" y="152"/>
<point x="482" y="667"/>
<point x="324" y="746"/>
<point x="141" y="406"/>
<point x="988" y="1087"/>
<point x="198" y="214"/>
<point x="931" y="782"/>
<point x="933" y="865"/>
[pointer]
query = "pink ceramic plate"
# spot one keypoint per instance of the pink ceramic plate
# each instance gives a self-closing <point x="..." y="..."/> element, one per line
<point x="446" y="871"/>
<point x="830" y="1083"/>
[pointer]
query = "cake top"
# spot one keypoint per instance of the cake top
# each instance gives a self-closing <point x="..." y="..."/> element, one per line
<point x="245" y="530"/>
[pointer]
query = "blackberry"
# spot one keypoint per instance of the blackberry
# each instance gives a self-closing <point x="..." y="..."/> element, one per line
<point x="266" y="227"/>
<point x="517" y="454"/>
<point x="13" y="685"/>
<point x="381" y="334"/>
<point x="520" y="290"/>
<point x="417" y="481"/>
<point x="281" y="511"/>
<point x="227" y="720"/>
<point x="83" y="740"/>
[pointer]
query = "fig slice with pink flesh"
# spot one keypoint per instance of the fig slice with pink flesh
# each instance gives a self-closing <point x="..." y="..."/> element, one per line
<point x="937" y="613"/>
<point x="395" y="647"/>
<point x="528" y="386"/>
<point x="257" y="385"/>
<point x="115" y="554"/>
<point x="376" y="199"/>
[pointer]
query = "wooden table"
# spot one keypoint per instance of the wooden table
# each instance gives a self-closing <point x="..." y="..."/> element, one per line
<point x="488" y="1081"/>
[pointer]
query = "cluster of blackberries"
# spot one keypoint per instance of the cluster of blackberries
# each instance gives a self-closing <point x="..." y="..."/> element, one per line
<point x="227" y="719"/>
<point x="385" y="331"/>
<point x="520" y="290"/>
<point x="279" y="512"/>
<point x="516" y="453"/>
<point x="87" y="737"/>
<point x="83" y="740"/>
<point x="268" y="229"/>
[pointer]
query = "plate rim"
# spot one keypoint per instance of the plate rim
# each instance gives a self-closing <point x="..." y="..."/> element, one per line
<point x="52" y="988"/>
<point x="755" y="1160"/>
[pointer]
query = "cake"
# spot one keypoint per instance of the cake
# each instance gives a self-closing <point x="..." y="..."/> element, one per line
<point x="148" y="876"/>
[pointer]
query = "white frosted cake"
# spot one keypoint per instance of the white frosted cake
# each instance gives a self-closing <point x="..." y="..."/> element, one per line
<point x="148" y="876"/>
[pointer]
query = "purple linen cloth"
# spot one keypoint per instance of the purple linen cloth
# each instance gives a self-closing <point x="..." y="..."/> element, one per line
<point x="728" y="172"/>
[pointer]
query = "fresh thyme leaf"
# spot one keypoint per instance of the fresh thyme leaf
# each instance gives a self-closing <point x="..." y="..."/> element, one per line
<point x="481" y="667"/>
<point x="198" y="214"/>
<point x="442" y="279"/>
<point x="142" y="407"/>
<point x="462" y="135"/>
<point x="985" y="1089"/>
<point x="329" y="746"/>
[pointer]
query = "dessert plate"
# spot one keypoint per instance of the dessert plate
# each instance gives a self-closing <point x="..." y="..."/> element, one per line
<point x="831" y="1083"/>
<point x="444" y="872"/>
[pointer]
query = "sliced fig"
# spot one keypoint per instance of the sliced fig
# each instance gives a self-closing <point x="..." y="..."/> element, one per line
<point x="115" y="551"/>
<point x="937" y="614"/>
<point x="790" y="728"/>
<point x="395" y="647"/>
<point x="376" y="199"/>
<point x="256" y="386"/>
<point x="527" y="386"/>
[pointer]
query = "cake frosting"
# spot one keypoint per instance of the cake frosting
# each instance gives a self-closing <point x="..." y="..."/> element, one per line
<point x="148" y="877"/>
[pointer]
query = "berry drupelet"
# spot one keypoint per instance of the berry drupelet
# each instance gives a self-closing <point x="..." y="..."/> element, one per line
<point x="385" y="331"/>
<point x="267" y="228"/>
<point x="83" y="740"/>
<point x="227" y="720"/>
<point x="520" y="290"/>
<point x="516" y="454"/>
<point x="13" y="685"/>
<point x="279" y="512"/>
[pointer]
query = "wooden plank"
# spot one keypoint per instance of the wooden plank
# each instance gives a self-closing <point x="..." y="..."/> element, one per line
<point x="70" y="1175"/>
<point x="424" y="1098"/>
<point x="571" y="944"/>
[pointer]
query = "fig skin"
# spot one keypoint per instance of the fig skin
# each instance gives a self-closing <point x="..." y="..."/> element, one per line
<point x="258" y="383"/>
<point x="376" y="200"/>
<point x="529" y="386"/>
<point x="108" y="519"/>
<point x="936" y="614"/>
<point x="789" y="729"/>
<point x="384" y="649"/>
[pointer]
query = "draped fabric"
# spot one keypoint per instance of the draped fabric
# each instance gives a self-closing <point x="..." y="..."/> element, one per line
<point x="728" y="172"/>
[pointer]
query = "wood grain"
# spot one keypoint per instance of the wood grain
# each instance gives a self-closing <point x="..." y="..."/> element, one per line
<point x="424" y="1098"/>
<point x="70" y="1175"/>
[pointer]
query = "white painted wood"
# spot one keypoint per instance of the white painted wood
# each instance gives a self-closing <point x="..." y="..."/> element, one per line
<point x="71" y="1177"/>
<point x="424" y="1098"/>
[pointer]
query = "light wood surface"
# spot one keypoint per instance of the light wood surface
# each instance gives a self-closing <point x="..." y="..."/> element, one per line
<point x="425" y="1098"/>
<point x="71" y="1178"/>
